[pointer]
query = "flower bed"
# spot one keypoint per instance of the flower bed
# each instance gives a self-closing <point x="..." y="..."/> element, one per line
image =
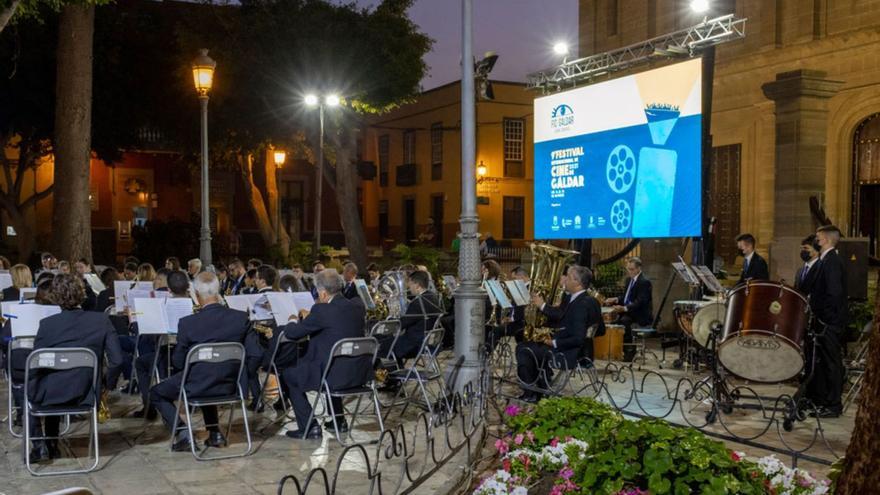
<point x="578" y="445"/>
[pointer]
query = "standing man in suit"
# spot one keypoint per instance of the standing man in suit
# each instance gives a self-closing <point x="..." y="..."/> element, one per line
<point x="637" y="307"/>
<point x="349" y="273"/>
<point x="570" y="342"/>
<point x="828" y="301"/>
<point x="333" y="317"/>
<point x="213" y="323"/>
<point x="754" y="266"/>
<point x="810" y="256"/>
<point x="73" y="327"/>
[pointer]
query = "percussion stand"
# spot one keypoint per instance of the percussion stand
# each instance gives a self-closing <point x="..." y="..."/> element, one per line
<point x="721" y="396"/>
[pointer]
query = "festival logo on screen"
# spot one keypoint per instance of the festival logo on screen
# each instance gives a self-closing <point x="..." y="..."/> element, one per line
<point x="562" y="118"/>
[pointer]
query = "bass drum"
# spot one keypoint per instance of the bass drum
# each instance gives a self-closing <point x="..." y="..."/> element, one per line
<point x="709" y="315"/>
<point x="764" y="332"/>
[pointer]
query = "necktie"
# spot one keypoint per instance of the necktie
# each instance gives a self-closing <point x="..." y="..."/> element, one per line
<point x="746" y="266"/>
<point x="628" y="289"/>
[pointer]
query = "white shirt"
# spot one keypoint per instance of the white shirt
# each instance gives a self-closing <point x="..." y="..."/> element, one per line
<point x="822" y="256"/>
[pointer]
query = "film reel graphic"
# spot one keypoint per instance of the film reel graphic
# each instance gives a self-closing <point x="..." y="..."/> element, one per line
<point x="621" y="216"/>
<point x="620" y="171"/>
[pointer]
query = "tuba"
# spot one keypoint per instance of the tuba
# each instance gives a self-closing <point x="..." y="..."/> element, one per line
<point x="548" y="263"/>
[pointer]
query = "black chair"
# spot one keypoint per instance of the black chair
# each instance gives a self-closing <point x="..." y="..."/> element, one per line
<point x="213" y="353"/>
<point x="561" y="372"/>
<point x="18" y="343"/>
<point x="353" y="348"/>
<point x="387" y="328"/>
<point x="61" y="359"/>
<point x="424" y="370"/>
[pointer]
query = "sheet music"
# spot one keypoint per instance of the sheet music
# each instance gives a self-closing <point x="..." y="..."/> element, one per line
<point x="175" y="309"/>
<point x="27" y="295"/>
<point x="492" y="300"/>
<point x="260" y="309"/>
<point x="5" y="280"/>
<point x="500" y="296"/>
<point x="451" y="284"/>
<point x="94" y="282"/>
<point x="131" y="301"/>
<point x="361" y="286"/>
<point x="283" y="306"/>
<point x="515" y="292"/>
<point x="708" y="278"/>
<point x="682" y="270"/>
<point x="303" y="301"/>
<point x="25" y="317"/>
<point x="161" y="316"/>
<point x="240" y="302"/>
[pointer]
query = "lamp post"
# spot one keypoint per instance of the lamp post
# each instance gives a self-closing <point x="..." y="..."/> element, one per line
<point x="312" y="100"/>
<point x="469" y="310"/>
<point x="203" y="77"/>
<point x="279" y="156"/>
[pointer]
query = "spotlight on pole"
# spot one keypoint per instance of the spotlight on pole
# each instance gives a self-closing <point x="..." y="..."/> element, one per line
<point x="311" y="100"/>
<point x="332" y="100"/>
<point x="561" y="48"/>
<point x="700" y="6"/>
<point x="482" y="68"/>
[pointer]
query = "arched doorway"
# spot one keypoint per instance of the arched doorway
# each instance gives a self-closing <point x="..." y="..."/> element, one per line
<point x="866" y="183"/>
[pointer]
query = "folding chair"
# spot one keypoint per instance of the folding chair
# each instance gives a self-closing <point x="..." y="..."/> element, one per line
<point x="61" y="359"/>
<point x="15" y="344"/>
<point x="557" y="382"/>
<point x="212" y="353"/>
<point x="386" y="328"/>
<point x="162" y="342"/>
<point x="424" y="370"/>
<point x="282" y="339"/>
<point x="353" y="348"/>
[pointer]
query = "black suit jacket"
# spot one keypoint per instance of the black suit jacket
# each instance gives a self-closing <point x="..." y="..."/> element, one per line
<point x="640" y="307"/>
<point x="350" y="291"/>
<point x="325" y="325"/>
<point x="73" y="328"/>
<point x="214" y="323"/>
<point x="572" y="320"/>
<point x="10" y="294"/>
<point x="802" y="283"/>
<point x="828" y="298"/>
<point x="421" y="314"/>
<point x="238" y="286"/>
<point x="103" y="301"/>
<point x="757" y="270"/>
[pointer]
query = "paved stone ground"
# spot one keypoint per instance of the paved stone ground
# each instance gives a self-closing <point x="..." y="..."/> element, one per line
<point x="135" y="458"/>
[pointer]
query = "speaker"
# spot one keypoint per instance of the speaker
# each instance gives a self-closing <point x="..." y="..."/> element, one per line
<point x="854" y="253"/>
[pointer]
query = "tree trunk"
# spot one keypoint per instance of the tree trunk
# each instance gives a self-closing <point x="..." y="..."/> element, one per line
<point x="860" y="471"/>
<point x="347" y="200"/>
<point x="6" y="13"/>
<point x="72" y="214"/>
<point x="258" y="206"/>
<point x="282" y="239"/>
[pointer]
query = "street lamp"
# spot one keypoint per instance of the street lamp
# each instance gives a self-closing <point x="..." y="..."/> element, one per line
<point x="279" y="156"/>
<point x="203" y="78"/>
<point x="313" y="100"/>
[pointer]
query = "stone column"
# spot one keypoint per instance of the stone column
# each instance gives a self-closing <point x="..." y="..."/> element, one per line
<point x="801" y="99"/>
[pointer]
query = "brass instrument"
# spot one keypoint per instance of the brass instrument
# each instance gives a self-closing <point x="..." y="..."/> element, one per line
<point x="548" y="263"/>
<point x="103" y="408"/>
<point x="380" y="312"/>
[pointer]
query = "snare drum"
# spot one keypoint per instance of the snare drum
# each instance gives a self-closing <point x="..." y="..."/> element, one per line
<point x="764" y="332"/>
<point x="609" y="347"/>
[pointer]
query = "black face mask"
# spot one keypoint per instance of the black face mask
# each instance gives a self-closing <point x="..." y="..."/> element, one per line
<point x="741" y="252"/>
<point x="805" y="255"/>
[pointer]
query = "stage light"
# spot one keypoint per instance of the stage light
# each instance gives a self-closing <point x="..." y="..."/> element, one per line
<point x="331" y="100"/>
<point x="700" y="6"/>
<point x="560" y="48"/>
<point x="311" y="100"/>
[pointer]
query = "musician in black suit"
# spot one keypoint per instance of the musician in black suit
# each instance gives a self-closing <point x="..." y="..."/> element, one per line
<point x="513" y="322"/>
<point x="237" y="278"/>
<point x="264" y="281"/>
<point x="828" y="301"/>
<point x="332" y="318"/>
<point x="21" y="278"/>
<point x="213" y="323"/>
<point x="421" y="314"/>
<point x="637" y="307"/>
<point x="570" y="342"/>
<point x="810" y="256"/>
<point x="754" y="266"/>
<point x="349" y="273"/>
<point x="73" y="327"/>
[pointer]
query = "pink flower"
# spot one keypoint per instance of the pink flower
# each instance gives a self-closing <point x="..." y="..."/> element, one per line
<point x="557" y="490"/>
<point x="735" y="456"/>
<point x="506" y="464"/>
<point x="518" y="439"/>
<point x="530" y="436"/>
<point x="502" y="446"/>
<point x="512" y="410"/>
<point x="554" y="442"/>
<point x="566" y="473"/>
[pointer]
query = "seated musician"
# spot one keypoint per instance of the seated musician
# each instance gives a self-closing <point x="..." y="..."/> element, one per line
<point x="301" y="284"/>
<point x="421" y="314"/>
<point x="374" y="274"/>
<point x="572" y="319"/>
<point x="513" y="323"/>
<point x="178" y="285"/>
<point x="105" y="298"/>
<point x="19" y="356"/>
<point x="333" y="317"/>
<point x="73" y="327"/>
<point x="213" y="323"/>
<point x="349" y="273"/>
<point x="266" y="335"/>
<point x="637" y="307"/>
<point x="21" y="278"/>
<point x="236" y="278"/>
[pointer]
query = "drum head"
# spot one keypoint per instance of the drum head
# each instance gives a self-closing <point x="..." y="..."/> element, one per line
<point x="761" y="356"/>
<point x="708" y="316"/>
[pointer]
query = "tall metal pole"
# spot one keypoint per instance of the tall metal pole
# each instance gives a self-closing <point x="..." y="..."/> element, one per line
<point x="319" y="179"/>
<point x="278" y="203"/>
<point x="469" y="297"/>
<point x="205" y="237"/>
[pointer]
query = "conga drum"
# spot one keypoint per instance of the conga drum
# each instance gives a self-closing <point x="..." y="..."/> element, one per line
<point x="764" y="332"/>
<point x="609" y="347"/>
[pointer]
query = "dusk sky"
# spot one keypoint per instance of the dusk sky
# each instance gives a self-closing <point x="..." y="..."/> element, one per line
<point x="521" y="32"/>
